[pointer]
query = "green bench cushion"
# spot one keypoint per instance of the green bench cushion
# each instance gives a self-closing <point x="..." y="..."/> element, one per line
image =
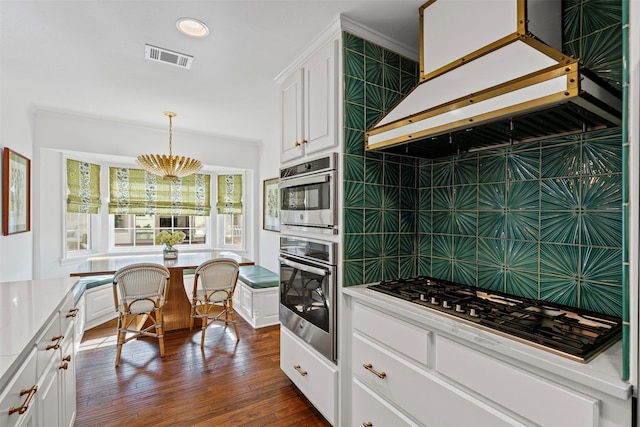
<point x="89" y="282"/>
<point x="258" y="277"/>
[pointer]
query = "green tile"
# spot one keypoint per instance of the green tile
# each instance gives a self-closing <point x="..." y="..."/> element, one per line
<point x="442" y="222"/>
<point x="492" y="224"/>
<point x="464" y="249"/>
<point x="390" y="197"/>
<point x="408" y="82"/>
<point x="391" y="77"/>
<point x="353" y="273"/>
<point x="492" y="169"/>
<point x="373" y="116"/>
<point x="372" y="245"/>
<point x="353" y="246"/>
<point x="491" y="278"/>
<point x="373" y="71"/>
<point x="604" y="54"/>
<point x="353" y="220"/>
<point x="424" y="174"/>
<point x="521" y="283"/>
<point x="374" y="51"/>
<point x="491" y="252"/>
<point x="372" y="195"/>
<point x="560" y="161"/>
<point x="390" y="268"/>
<point x="522" y="256"/>
<point x="442" y="246"/>
<point x="442" y="174"/>
<point x="602" y="156"/>
<point x="465" y="273"/>
<point x="561" y="290"/>
<point x="354" y="90"/>
<point x="373" y="171"/>
<point x="465" y="197"/>
<point x="354" y="168"/>
<point x="424" y="245"/>
<point x="373" y="270"/>
<point x="601" y="298"/>
<point x="391" y="244"/>
<point x="391" y="218"/>
<point x="352" y="42"/>
<point x="559" y="227"/>
<point x="442" y="198"/>
<point x="408" y="198"/>
<point x="492" y="197"/>
<point x="391" y="173"/>
<point x="407" y="244"/>
<point x="522" y="225"/>
<point x="374" y="97"/>
<point x="524" y="195"/>
<point x="408" y="176"/>
<point x="354" y="142"/>
<point x="601" y="265"/>
<point x="407" y="266"/>
<point x="601" y="229"/>
<point x="441" y="268"/>
<point x="562" y="260"/>
<point x="391" y="99"/>
<point x="424" y="266"/>
<point x="408" y="66"/>
<point x="353" y="194"/>
<point x="465" y="223"/>
<point x="522" y="165"/>
<point x="354" y="64"/>
<point x="465" y="171"/>
<point x="354" y="115"/>
<point x="424" y="196"/>
<point x="425" y="224"/>
<point x="373" y="221"/>
<point x="602" y="193"/>
<point x="391" y="58"/>
<point x="560" y="194"/>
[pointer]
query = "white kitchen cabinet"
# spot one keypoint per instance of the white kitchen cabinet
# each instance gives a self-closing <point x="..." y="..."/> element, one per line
<point x="19" y="396"/>
<point x="308" y="105"/>
<point x="99" y="305"/>
<point x="316" y="378"/>
<point x="423" y="368"/>
<point x="258" y="306"/>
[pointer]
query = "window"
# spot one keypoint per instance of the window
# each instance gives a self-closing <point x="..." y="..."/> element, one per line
<point x="141" y="230"/>
<point x="229" y="207"/>
<point x="83" y="201"/>
<point x="78" y="236"/>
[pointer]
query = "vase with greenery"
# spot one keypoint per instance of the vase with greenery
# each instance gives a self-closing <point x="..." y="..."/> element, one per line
<point x="169" y="239"/>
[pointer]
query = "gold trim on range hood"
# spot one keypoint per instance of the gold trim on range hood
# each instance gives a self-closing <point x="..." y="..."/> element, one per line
<point x="557" y="97"/>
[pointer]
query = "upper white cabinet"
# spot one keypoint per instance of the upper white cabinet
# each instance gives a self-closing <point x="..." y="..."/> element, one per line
<point x="308" y="105"/>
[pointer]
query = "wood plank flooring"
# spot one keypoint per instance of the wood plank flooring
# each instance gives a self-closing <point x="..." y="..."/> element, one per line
<point x="227" y="384"/>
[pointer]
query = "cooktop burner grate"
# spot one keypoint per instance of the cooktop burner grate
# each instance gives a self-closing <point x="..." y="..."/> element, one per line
<point x="570" y="332"/>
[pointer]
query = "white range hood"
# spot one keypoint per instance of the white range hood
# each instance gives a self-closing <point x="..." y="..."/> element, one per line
<point x="492" y="73"/>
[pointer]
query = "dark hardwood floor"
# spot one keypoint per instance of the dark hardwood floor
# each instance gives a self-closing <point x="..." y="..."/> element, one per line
<point x="227" y="384"/>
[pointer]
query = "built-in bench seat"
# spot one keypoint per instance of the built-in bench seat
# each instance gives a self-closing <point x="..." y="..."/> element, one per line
<point x="93" y="295"/>
<point x="90" y="282"/>
<point x="256" y="297"/>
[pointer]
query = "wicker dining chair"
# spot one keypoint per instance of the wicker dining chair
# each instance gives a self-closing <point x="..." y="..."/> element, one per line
<point x="213" y="286"/>
<point x="139" y="294"/>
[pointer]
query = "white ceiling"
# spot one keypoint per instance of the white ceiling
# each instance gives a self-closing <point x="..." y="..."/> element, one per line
<point x="87" y="57"/>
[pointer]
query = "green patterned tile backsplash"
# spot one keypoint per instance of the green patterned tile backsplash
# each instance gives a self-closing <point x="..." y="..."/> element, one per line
<point x="539" y="220"/>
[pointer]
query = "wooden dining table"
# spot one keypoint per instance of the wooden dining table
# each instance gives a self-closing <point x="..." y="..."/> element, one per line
<point x="177" y="309"/>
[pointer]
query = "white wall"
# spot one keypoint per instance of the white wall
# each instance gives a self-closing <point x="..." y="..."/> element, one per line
<point x="16" y="250"/>
<point x="55" y="133"/>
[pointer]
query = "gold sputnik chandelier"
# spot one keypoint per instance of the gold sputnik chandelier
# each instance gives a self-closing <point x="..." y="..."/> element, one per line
<point x="169" y="167"/>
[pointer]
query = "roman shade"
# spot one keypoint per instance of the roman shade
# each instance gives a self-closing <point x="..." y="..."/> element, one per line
<point x="229" y="194"/>
<point x="135" y="191"/>
<point x="83" y="184"/>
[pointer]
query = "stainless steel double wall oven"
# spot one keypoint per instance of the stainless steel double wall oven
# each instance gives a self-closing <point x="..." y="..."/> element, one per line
<point x="308" y="282"/>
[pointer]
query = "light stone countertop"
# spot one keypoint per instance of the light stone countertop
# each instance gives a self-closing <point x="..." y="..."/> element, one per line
<point x="25" y="309"/>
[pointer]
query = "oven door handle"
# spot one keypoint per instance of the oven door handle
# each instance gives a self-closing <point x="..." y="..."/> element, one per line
<point x="304" y="267"/>
<point x="307" y="180"/>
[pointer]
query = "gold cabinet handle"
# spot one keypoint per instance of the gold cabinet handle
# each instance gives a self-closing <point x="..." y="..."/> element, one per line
<point x="296" y="144"/>
<point x="368" y="424"/>
<point x="64" y="366"/>
<point x="369" y="367"/>
<point x="304" y="141"/>
<point x="22" y="409"/>
<point x="73" y="312"/>
<point x="67" y="358"/>
<point x="57" y="344"/>
<point x="299" y="369"/>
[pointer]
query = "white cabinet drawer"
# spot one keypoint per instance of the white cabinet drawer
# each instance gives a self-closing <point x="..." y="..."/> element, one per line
<point x="48" y="343"/>
<point x="317" y="379"/>
<point x="23" y="380"/>
<point x="421" y="395"/>
<point x="99" y="305"/>
<point x="515" y="389"/>
<point x="370" y="408"/>
<point x="403" y="337"/>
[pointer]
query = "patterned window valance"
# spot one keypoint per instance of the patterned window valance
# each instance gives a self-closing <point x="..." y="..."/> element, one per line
<point x="135" y="191"/>
<point x="83" y="182"/>
<point x="229" y="194"/>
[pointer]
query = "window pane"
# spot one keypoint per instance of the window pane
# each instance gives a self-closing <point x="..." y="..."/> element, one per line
<point x="77" y="235"/>
<point x="233" y="229"/>
<point x="147" y="227"/>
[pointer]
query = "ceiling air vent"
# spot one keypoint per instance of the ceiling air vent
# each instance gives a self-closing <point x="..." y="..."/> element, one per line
<point x="167" y="56"/>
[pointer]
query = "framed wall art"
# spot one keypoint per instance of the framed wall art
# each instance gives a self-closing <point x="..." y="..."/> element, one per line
<point x="271" y="205"/>
<point x="16" y="193"/>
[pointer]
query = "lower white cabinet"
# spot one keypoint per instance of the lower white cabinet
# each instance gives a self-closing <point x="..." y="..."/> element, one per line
<point x="18" y="400"/>
<point x="408" y="369"/>
<point x="258" y="306"/>
<point x="315" y="377"/>
<point x="99" y="306"/>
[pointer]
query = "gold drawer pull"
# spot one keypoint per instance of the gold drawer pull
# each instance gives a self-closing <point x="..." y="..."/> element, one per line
<point x="296" y="144"/>
<point x="22" y="409"/>
<point x="369" y="367"/>
<point x="57" y="344"/>
<point x="64" y="366"/>
<point x="67" y="358"/>
<point x="368" y="424"/>
<point x="304" y="141"/>
<point x="73" y="312"/>
<point x="299" y="369"/>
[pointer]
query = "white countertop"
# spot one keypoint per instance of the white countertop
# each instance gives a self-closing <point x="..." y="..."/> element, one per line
<point x="603" y="373"/>
<point x="25" y="308"/>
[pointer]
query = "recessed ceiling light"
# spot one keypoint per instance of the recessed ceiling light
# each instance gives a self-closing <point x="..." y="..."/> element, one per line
<point x="192" y="27"/>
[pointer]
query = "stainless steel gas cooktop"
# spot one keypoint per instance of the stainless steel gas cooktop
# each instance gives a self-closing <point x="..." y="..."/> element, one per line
<point x="570" y="332"/>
